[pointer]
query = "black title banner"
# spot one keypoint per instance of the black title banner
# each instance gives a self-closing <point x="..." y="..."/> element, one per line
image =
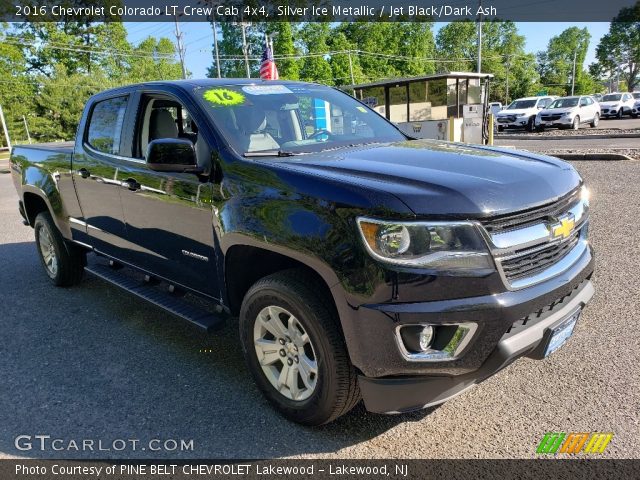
<point x="316" y="469"/>
<point x="315" y="10"/>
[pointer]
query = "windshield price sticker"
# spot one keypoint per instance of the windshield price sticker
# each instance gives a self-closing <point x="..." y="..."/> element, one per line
<point x="224" y="97"/>
<point x="266" y="90"/>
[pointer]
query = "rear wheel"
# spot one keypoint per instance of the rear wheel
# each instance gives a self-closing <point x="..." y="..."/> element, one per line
<point x="295" y="350"/>
<point x="62" y="262"/>
<point x="595" y="121"/>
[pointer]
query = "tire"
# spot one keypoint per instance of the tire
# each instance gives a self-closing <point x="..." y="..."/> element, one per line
<point x="634" y="115"/>
<point x="576" y="123"/>
<point x="619" y="115"/>
<point x="62" y="262"/>
<point x="595" y="121"/>
<point x="531" y="126"/>
<point x="293" y="296"/>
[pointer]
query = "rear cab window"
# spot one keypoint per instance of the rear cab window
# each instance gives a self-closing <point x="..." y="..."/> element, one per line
<point x="104" y="132"/>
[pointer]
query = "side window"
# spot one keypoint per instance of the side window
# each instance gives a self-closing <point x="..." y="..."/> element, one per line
<point x="584" y="102"/>
<point x="105" y="125"/>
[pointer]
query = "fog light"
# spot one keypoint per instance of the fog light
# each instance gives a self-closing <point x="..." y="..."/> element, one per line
<point x="426" y="338"/>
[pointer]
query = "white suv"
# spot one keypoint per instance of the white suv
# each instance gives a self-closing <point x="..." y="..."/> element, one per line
<point x="521" y="113"/>
<point x="617" y="105"/>
<point x="569" y="112"/>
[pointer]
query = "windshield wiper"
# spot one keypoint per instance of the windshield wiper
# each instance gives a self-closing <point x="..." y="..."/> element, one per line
<point x="270" y="153"/>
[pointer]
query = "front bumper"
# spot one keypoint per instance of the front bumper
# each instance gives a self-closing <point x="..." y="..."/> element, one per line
<point x="391" y="383"/>
<point x="559" y="123"/>
<point x="403" y="394"/>
<point x="520" y="122"/>
<point x="609" y="112"/>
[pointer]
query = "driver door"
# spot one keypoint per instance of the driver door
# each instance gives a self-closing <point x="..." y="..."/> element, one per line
<point x="168" y="216"/>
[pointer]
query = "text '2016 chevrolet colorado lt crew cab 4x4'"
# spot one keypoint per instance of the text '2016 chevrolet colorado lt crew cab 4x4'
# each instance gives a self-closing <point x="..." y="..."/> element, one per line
<point x="361" y="264"/>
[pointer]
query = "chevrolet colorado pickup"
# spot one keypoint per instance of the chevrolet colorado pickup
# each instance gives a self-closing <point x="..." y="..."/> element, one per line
<point x="359" y="263"/>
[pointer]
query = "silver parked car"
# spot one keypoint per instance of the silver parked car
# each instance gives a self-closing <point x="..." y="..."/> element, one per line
<point x="569" y="112"/>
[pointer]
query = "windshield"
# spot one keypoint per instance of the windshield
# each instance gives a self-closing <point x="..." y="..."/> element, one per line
<point x="636" y="95"/>
<point x="278" y="119"/>
<point x="521" y="104"/>
<point x="564" y="103"/>
<point x="611" y="98"/>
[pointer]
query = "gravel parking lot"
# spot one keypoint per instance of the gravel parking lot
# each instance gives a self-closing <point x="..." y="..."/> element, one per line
<point x="93" y="362"/>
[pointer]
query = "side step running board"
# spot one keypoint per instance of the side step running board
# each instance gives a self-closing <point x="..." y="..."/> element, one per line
<point x="198" y="316"/>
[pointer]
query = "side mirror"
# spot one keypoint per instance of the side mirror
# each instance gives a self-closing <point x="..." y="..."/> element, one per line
<point x="172" y="155"/>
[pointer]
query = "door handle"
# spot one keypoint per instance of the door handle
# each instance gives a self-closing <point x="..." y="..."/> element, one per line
<point x="132" y="184"/>
<point x="84" y="173"/>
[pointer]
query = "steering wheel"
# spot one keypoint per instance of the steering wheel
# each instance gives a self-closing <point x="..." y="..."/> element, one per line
<point x="322" y="131"/>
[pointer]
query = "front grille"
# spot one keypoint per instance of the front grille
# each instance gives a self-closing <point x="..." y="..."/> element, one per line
<point x="605" y="110"/>
<point x="532" y="216"/>
<point x="529" y="263"/>
<point x="542" y="313"/>
<point x="550" y="118"/>
<point x="508" y="119"/>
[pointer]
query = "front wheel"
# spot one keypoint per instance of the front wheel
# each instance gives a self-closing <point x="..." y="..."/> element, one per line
<point x="531" y="126"/>
<point x="595" y="121"/>
<point x="63" y="263"/>
<point x="620" y="114"/>
<point x="576" y="123"/>
<point x="295" y="350"/>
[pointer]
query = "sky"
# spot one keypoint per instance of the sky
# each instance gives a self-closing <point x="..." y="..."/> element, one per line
<point x="198" y="38"/>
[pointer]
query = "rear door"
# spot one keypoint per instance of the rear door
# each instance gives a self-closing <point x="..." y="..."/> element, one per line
<point x="96" y="165"/>
<point x="168" y="216"/>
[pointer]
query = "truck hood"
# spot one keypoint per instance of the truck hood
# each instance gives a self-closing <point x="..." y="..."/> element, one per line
<point x="560" y="111"/>
<point x="445" y="179"/>
<point x="506" y="113"/>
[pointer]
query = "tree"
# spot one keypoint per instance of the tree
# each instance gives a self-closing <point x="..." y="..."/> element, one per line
<point x="345" y="67"/>
<point x="456" y="43"/>
<point x="503" y="55"/>
<point x="555" y="64"/>
<point x="59" y="103"/>
<point x="16" y="89"/>
<point x="315" y="65"/>
<point x="154" y="60"/>
<point x="618" y="52"/>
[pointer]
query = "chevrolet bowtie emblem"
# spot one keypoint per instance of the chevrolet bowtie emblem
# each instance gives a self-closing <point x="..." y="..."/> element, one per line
<point x="563" y="228"/>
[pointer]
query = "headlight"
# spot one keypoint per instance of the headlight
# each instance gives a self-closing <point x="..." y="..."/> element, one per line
<point x="446" y="248"/>
<point x="615" y="105"/>
<point x="567" y="114"/>
<point x="518" y="115"/>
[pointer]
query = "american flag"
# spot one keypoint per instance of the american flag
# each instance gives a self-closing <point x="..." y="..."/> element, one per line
<point x="268" y="69"/>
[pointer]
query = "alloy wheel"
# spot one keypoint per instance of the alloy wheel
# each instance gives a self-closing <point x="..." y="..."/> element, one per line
<point x="285" y="353"/>
<point x="48" y="252"/>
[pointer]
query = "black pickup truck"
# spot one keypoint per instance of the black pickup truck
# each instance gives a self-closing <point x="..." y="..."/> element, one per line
<point x="359" y="263"/>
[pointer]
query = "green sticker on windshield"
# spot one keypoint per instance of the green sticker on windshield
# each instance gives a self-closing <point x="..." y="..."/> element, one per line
<point x="362" y="109"/>
<point x="224" y="97"/>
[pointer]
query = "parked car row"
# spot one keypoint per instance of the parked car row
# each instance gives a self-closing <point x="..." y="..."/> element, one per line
<point x="538" y="113"/>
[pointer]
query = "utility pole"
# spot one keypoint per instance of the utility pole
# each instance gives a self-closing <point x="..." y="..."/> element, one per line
<point x="353" y="82"/>
<point x="245" y="48"/>
<point x="480" y="38"/>
<point x="26" y="127"/>
<point x="506" y="96"/>
<point x="4" y="128"/>
<point x="215" y="46"/>
<point x="573" y="75"/>
<point x="181" y="48"/>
